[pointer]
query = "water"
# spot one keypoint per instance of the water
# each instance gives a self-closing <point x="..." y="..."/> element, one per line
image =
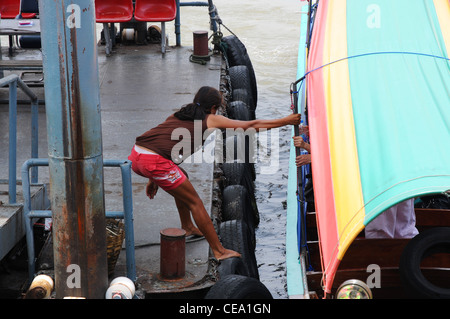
<point x="270" y="31"/>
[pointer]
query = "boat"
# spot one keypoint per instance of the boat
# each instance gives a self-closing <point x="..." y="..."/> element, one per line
<point x="134" y="79"/>
<point x="372" y="86"/>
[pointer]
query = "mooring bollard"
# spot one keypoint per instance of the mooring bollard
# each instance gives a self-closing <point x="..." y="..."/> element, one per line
<point x="173" y="252"/>
<point x="200" y="43"/>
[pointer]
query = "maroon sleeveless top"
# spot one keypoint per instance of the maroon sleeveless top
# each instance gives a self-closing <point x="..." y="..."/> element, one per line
<point x="174" y="139"/>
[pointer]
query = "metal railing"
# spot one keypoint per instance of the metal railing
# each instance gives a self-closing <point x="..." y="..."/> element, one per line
<point x="126" y="214"/>
<point x="212" y="14"/>
<point x="14" y="81"/>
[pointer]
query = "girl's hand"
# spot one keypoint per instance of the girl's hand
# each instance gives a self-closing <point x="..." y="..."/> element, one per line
<point x="151" y="189"/>
<point x="303" y="160"/>
<point x="293" y="119"/>
<point x="298" y="141"/>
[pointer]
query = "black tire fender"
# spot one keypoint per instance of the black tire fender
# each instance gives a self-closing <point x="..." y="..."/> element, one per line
<point x="239" y="77"/>
<point x="236" y="54"/>
<point x="239" y="110"/>
<point x="231" y="266"/>
<point x="241" y="148"/>
<point x="242" y="95"/>
<point x="238" y="287"/>
<point x="236" y="204"/>
<point x="429" y="242"/>
<point x="235" y="235"/>
<point x="239" y="174"/>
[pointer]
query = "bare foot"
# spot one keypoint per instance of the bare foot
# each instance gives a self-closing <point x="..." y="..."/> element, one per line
<point x="193" y="231"/>
<point x="227" y="253"/>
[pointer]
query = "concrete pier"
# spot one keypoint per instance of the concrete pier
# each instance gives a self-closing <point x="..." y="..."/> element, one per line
<point x="139" y="88"/>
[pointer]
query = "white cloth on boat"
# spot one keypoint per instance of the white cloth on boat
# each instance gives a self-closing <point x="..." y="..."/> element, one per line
<point x="399" y="221"/>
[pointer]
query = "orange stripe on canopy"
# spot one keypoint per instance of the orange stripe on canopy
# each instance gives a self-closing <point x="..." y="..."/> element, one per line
<point x="317" y="119"/>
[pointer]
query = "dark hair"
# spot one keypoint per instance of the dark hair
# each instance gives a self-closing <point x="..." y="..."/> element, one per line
<point x="204" y="100"/>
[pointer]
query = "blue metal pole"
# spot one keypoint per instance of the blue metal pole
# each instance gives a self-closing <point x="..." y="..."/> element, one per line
<point x="34" y="138"/>
<point x="72" y="100"/>
<point x="212" y="14"/>
<point x="27" y="219"/>
<point x="12" y="141"/>
<point x="128" y="216"/>
<point x="178" y="24"/>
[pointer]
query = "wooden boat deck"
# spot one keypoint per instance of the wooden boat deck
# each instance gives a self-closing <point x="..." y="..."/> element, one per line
<point x="384" y="253"/>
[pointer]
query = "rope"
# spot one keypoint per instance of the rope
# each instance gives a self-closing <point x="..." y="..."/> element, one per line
<point x="368" y="54"/>
<point x="218" y="19"/>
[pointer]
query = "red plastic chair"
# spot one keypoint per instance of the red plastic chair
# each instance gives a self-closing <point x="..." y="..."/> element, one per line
<point x="156" y="11"/>
<point x="9" y="9"/>
<point x="28" y="9"/>
<point x="112" y="11"/>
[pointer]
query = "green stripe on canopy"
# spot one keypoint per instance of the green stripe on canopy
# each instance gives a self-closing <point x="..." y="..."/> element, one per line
<point x="401" y="100"/>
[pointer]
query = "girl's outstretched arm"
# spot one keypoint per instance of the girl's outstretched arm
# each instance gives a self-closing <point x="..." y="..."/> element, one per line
<point x="222" y="122"/>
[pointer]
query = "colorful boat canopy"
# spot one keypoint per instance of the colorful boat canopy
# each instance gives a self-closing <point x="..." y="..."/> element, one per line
<point x="378" y="86"/>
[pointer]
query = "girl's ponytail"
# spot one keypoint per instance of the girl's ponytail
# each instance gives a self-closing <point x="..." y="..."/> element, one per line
<point x="204" y="100"/>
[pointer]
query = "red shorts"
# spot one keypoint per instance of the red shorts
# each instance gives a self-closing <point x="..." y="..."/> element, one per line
<point x="160" y="170"/>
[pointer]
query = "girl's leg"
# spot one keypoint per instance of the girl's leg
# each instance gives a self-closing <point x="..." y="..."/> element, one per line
<point x="185" y="218"/>
<point x="186" y="194"/>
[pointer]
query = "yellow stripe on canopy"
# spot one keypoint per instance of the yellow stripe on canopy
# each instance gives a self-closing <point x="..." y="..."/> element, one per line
<point x="343" y="148"/>
<point x="443" y="12"/>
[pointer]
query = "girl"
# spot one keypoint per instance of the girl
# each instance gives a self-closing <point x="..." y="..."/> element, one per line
<point x="153" y="156"/>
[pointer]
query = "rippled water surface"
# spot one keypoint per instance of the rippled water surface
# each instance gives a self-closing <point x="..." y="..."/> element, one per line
<point x="270" y="31"/>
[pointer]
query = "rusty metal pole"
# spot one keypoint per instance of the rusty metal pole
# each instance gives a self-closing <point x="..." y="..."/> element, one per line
<point x="74" y="147"/>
